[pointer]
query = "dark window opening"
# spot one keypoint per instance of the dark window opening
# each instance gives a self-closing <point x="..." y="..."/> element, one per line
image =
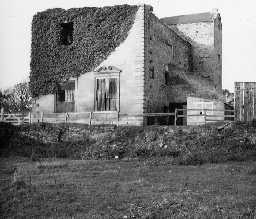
<point x="67" y="33"/>
<point x="61" y="95"/>
<point x="171" y="50"/>
<point x="219" y="57"/>
<point x="166" y="77"/>
<point x="152" y="72"/>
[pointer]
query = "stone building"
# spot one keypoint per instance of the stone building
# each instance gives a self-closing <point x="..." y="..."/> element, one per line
<point x="154" y="68"/>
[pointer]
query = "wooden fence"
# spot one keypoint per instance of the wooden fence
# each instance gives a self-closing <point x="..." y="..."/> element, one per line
<point x="207" y="115"/>
<point x="15" y="118"/>
<point x="95" y="118"/>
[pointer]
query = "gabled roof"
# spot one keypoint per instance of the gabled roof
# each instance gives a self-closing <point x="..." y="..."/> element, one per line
<point x="190" y="18"/>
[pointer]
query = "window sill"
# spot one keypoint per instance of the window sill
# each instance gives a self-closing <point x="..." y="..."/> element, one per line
<point x="116" y="111"/>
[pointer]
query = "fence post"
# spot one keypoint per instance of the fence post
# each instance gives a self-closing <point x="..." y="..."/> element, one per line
<point x="2" y="114"/>
<point x="175" y="117"/>
<point x="42" y="117"/>
<point x="205" y="118"/>
<point x="90" y="119"/>
<point x="66" y="117"/>
<point x="29" y="117"/>
<point x="117" y="118"/>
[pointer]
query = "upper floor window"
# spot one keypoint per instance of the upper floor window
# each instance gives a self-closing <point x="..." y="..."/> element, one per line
<point x="166" y="77"/>
<point x="172" y="52"/>
<point x="152" y="72"/>
<point x="171" y="47"/>
<point x="67" y="30"/>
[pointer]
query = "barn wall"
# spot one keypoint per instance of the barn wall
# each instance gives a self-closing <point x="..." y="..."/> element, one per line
<point x="245" y="101"/>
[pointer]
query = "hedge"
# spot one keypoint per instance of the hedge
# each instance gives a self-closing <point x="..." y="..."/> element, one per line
<point x="97" y="32"/>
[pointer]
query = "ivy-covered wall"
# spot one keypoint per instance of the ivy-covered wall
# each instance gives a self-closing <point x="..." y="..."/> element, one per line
<point x="97" y="32"/>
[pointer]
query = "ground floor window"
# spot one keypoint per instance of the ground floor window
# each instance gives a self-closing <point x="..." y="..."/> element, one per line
<point x="69" y="95"/>
<point x="106" y="94"/>
<point x="65" y="97"/>
<point x="66" y="92"/>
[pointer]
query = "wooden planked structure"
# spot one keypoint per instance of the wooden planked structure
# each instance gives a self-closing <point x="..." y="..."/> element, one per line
<point x="245" y="101"/>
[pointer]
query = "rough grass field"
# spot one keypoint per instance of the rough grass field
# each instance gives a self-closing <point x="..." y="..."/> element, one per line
<point x="152" y="188"/>
<point x="71" y="171"/>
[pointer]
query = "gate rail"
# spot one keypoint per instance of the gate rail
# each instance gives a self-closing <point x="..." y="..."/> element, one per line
<point x="113" y="117"/>
<point x="15" y="118"/>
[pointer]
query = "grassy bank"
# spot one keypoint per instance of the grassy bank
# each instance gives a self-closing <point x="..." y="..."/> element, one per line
<point x="183" y="145"/>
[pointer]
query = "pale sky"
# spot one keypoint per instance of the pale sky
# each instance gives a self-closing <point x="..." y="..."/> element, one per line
<point x="238" y="20"/>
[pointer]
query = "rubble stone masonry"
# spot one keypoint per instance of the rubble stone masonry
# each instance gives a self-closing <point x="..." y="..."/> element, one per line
<point x="205" y="37"/>
<point x="164" y="52"/>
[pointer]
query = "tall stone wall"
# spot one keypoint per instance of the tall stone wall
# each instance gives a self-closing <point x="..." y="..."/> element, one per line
<point x="164" y="52"/>
<point x="206" y="41"/>
<point x="218" y="50"/>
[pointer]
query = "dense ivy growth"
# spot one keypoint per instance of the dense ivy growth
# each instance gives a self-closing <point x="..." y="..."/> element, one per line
<point x="97" y="32"/>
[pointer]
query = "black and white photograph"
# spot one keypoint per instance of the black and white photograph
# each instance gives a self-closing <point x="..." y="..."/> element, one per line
<point x="121" y="109"/>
